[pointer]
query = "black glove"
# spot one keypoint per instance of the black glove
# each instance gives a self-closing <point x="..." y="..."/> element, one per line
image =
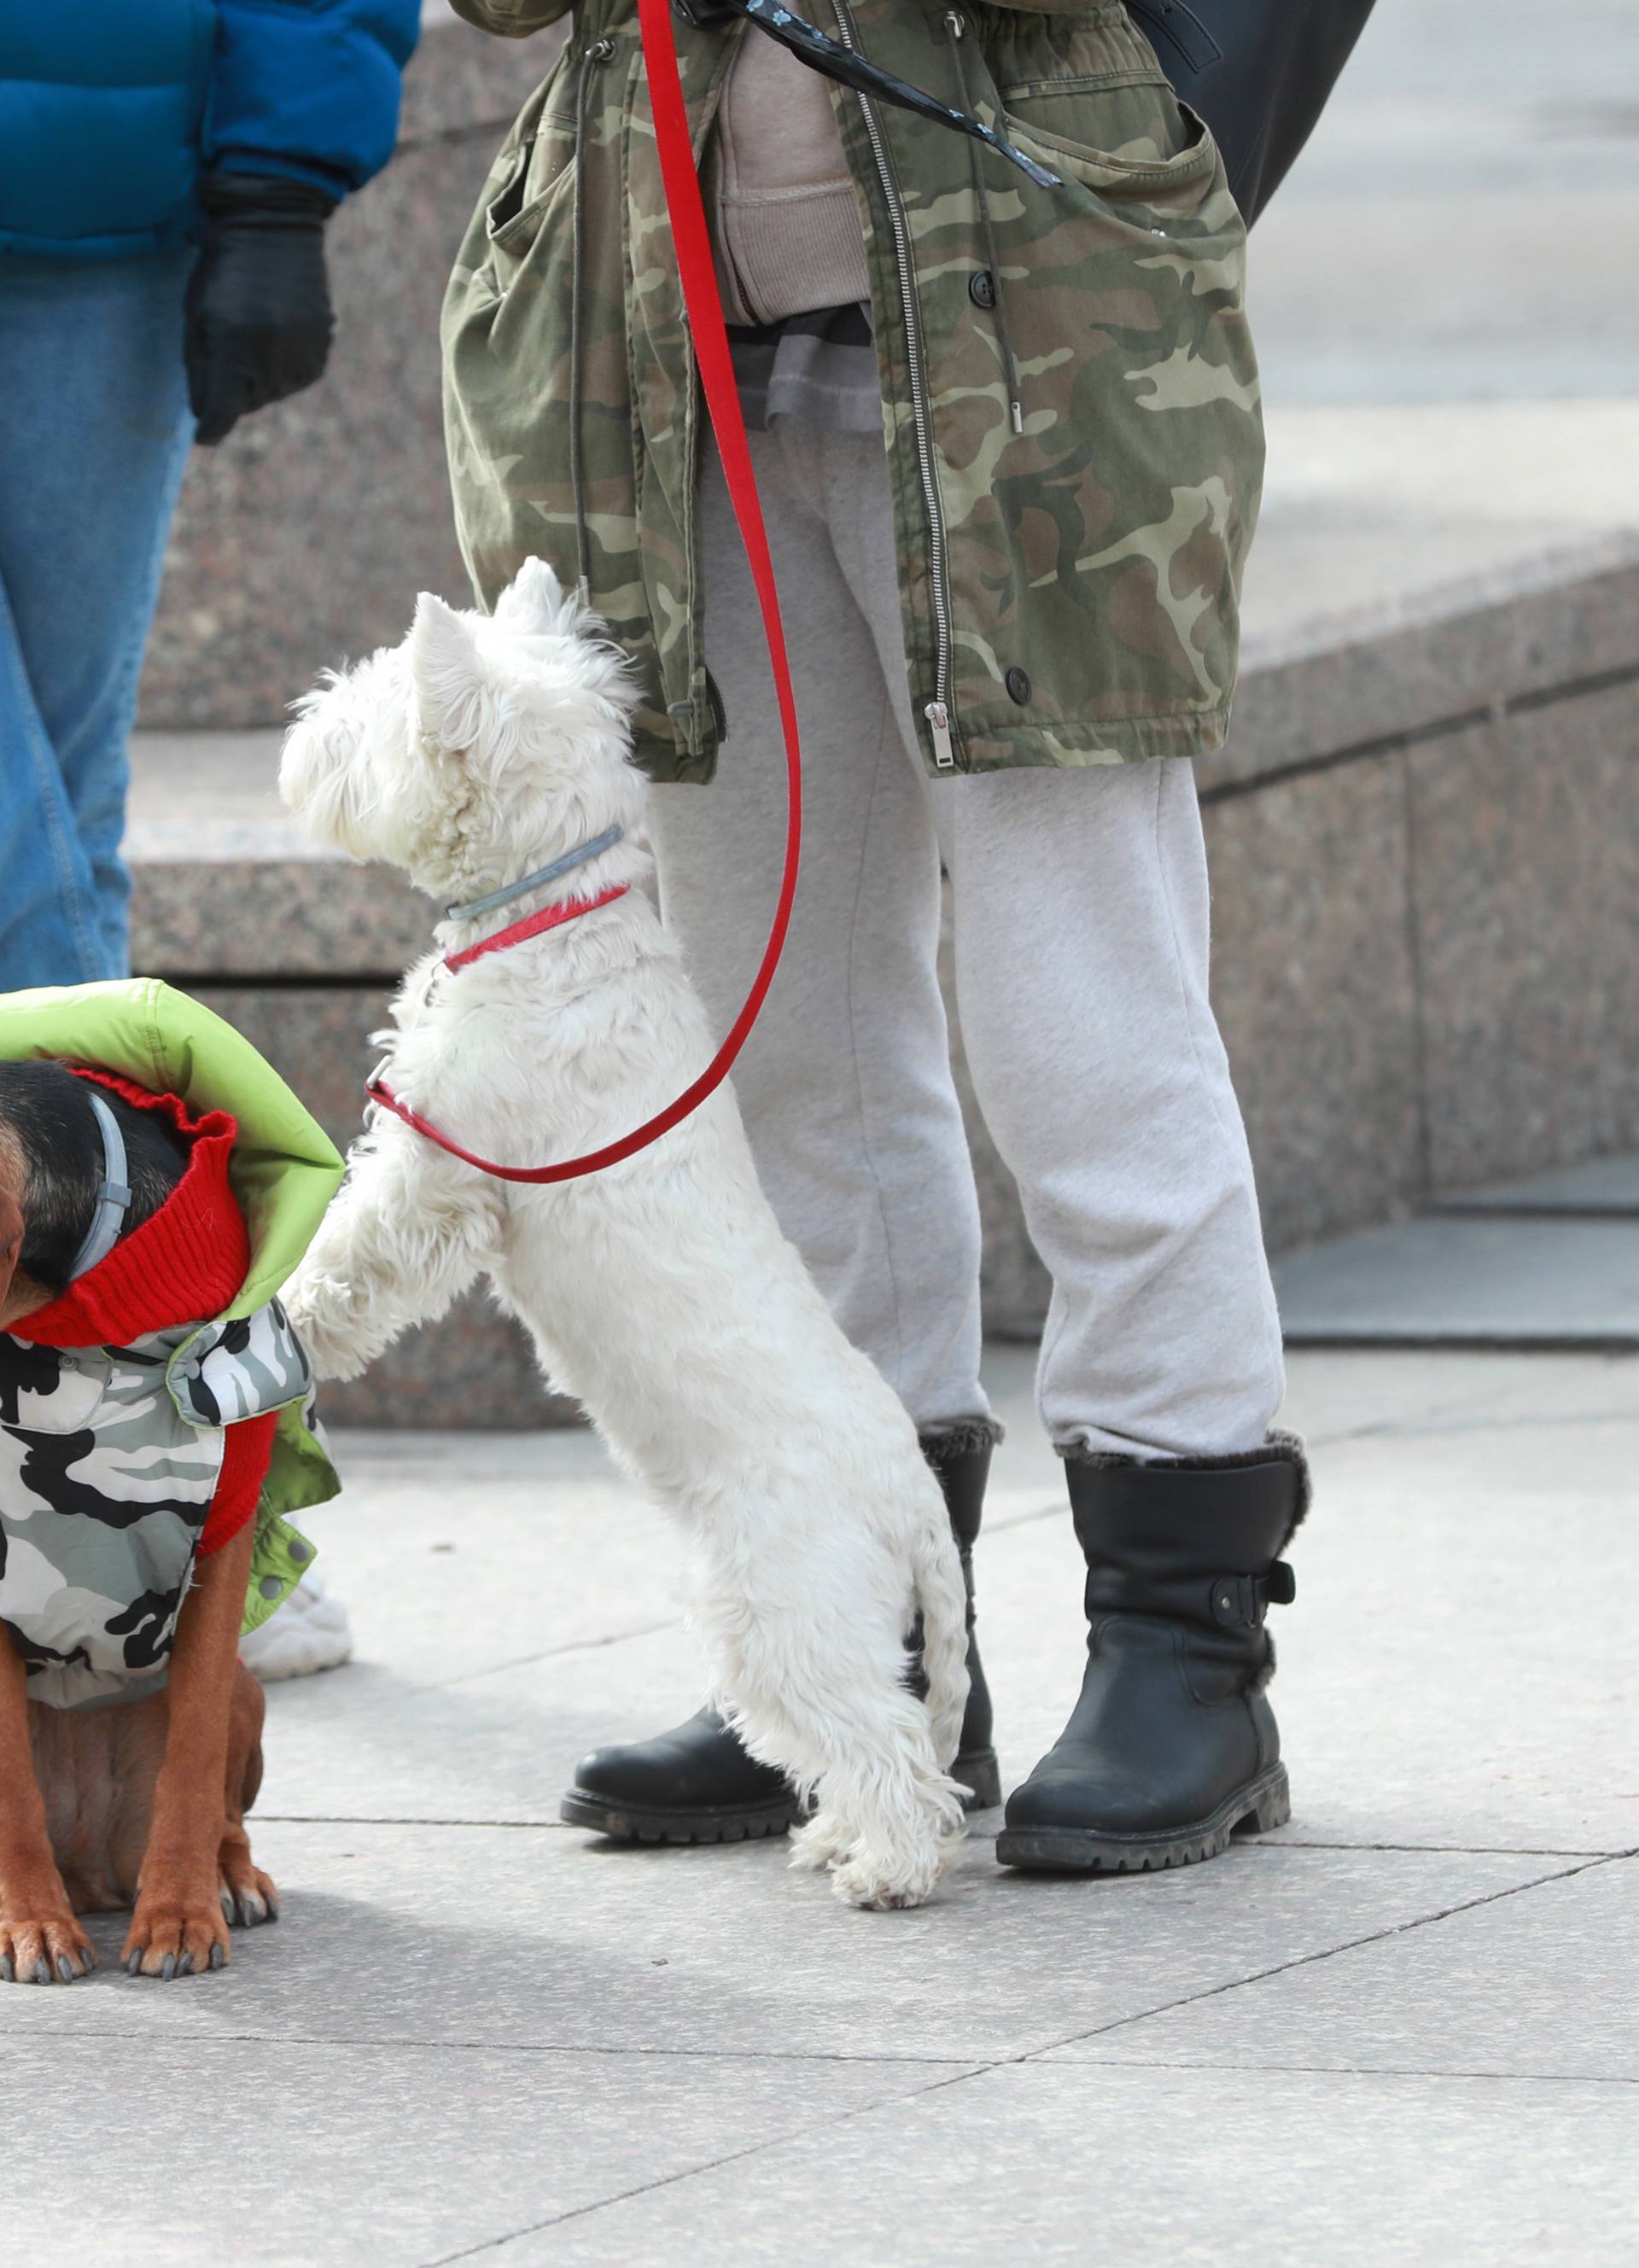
<point x="259" y="315"/>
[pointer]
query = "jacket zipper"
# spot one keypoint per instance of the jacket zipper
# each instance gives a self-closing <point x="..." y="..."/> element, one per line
<point x="937" y="711"/>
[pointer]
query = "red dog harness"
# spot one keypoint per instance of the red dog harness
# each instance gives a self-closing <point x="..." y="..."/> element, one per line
<point x="535" y="926"/>
<point x="698" y="275"/>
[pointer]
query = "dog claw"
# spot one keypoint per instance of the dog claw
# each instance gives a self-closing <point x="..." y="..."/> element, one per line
<point x="225" y="1899"/>
<point x="185" y="1966"/>
<point x="66" y="1969"/>
<point x="8" y="1975"/>
<point x="40" y="1974"/>
<point x="133" y="1967"/>
<point x="218" y="1956"/>
<point x="168" y="1969"/>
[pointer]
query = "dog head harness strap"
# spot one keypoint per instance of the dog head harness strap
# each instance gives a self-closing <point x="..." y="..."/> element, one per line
<point x="114" y="1195"/>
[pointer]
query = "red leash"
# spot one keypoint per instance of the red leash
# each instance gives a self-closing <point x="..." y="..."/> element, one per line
<point x="698" y="275"/>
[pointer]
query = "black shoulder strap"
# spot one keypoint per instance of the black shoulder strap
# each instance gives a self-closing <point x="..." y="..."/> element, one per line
<point x="1258" y="71"/>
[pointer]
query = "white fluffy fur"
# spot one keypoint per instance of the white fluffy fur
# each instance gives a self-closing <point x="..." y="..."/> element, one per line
<point x="659" y="1292"/>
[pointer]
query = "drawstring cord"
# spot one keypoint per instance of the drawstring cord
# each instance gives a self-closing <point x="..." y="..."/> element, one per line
<point x="955" y="28"/>
<point x="599" y="52"/>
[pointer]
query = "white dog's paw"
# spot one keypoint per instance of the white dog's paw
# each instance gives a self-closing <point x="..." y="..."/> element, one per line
<point x="319" y="1316"/>
<point x="882" y="1880"/>
<point x="825" y="1842"/>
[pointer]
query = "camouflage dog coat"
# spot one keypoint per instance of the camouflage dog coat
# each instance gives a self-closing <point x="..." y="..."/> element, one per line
<point x="132" y="1440"/>
<point x="110" y="1459"/>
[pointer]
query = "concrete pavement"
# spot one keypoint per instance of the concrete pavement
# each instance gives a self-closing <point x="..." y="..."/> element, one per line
<point x="1398" y="2030"/>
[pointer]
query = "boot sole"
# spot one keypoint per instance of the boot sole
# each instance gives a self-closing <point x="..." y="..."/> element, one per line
<point x="1262" y="1804"/>
<point x="621" y="1823"/>
<point x="979" y="1773"/>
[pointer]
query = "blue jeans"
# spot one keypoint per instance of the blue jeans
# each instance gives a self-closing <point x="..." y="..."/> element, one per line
<point x="94" y="433"/>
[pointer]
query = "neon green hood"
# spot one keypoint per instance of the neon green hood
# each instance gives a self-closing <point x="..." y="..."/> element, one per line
<point x="285" y="1170"/>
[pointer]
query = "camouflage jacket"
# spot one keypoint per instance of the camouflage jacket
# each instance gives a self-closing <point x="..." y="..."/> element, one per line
<point x="1071" y="402"/>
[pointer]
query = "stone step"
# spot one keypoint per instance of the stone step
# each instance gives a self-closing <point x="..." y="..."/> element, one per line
<point x="1455" y="1280"/>
<point x="1603" y="1188"/>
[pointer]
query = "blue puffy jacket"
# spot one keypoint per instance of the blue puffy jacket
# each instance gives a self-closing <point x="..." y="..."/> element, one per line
<point x="109" y="108"/>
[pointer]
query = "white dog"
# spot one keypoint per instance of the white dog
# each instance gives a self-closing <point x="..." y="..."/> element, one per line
<point x="659" y="1292"/>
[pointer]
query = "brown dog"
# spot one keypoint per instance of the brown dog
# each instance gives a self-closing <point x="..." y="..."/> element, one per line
<point x="137" y="1802"/>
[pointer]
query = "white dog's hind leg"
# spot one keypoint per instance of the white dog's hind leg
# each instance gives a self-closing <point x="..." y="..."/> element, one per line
<point x="405" y="1235"/>
<point x="812" y="1669"/>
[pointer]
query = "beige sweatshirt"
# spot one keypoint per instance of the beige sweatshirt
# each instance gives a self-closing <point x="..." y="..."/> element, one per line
<point x="786" y="225"/>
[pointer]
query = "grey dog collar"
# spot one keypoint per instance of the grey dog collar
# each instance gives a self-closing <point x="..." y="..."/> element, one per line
<point x="113" y="1196"/>
<point x="566" y="865"/>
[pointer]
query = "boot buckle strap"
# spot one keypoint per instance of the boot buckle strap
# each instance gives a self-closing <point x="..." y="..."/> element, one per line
<point x="1241" y="1602"/>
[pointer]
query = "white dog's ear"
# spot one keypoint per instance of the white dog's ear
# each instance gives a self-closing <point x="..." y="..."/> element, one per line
<point x="534" y="600"/>
<point x="448" y="673"/>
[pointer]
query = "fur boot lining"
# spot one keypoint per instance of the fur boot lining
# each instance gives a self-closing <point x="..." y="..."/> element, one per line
<point x="963" y="1435"/>
<point x="1281" y="1447"/>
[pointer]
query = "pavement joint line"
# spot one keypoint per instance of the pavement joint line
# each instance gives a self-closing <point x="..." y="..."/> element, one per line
<point x="975" y="1836"/>
<point x="551" y="1653"/>
<point x="957" y="2066"/>
<point x="395" y="1819"/>
<point x="1355" y="2071"/>
<point x="1444" y="1850"/>
<point x="729" y="2158"/>
<point x="1325" y="1953"/>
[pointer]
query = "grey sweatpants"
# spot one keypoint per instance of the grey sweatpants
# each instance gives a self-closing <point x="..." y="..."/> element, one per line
<point x="1080" y="933"/>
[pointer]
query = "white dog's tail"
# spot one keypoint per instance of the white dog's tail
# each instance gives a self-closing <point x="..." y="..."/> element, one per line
<point x="941" y="1595"/>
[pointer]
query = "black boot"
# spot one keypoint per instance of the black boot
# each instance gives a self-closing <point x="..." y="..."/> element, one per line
<point x="1172" y="1745"/>
<point x="697" y="1784"/>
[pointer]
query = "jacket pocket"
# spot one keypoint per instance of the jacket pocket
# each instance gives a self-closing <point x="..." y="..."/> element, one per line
<point x="1097" y="532"/>
<point x="537" y="159"/>
<point x="1152" y="148"/>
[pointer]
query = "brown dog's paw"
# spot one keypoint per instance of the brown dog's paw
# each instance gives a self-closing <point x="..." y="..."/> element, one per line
<point x="247" y="1894"/>
<point x="50" y="1949"/>
<point x="176" y="1937"/>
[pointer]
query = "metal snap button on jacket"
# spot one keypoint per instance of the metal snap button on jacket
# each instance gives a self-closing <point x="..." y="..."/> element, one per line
<point x="982" y="287"/>
<point x="1019" y="686"/>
